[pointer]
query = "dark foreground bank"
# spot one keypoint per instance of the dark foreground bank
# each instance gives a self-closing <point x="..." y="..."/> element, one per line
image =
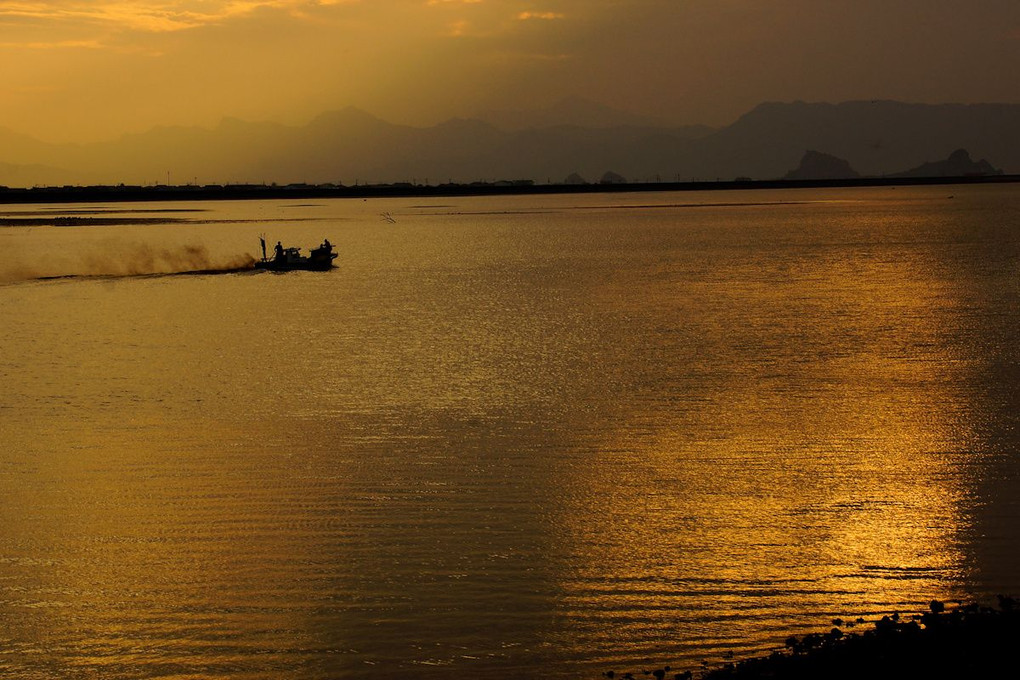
<point x="217" y="192"/>
<point x="968" y="641"/>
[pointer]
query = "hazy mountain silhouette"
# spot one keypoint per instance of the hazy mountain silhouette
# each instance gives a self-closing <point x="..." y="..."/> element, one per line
<point x="32" y="175"/>
<point x="16" y="145"/>
<point x="875" y="138"/>
<point x="578" y="112"/>
<point x="351" y="146"/>
<point x="818" y="165"/>
<point x="959" y="164"/>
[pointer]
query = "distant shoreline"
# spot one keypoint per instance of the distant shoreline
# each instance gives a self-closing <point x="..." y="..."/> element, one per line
<point x="216" y="192"/>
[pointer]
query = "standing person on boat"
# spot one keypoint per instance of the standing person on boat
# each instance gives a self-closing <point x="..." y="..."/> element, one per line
<point x="279" y="250"/>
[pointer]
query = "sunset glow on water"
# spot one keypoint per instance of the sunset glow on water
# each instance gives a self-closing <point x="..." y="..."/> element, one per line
<point x="544" y="436"/>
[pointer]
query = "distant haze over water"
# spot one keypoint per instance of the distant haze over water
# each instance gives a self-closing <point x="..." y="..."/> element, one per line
<point x="536" y="436"/>
<point x="579" y="140"/>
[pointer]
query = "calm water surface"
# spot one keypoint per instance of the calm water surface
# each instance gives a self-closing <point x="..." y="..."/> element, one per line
<point x="536" y="436"/>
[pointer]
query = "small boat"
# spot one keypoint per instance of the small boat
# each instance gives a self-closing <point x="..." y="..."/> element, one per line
<point x="290" y="259"/>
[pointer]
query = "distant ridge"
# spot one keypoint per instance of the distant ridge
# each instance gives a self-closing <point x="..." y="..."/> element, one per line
<point x="577" y="112"/>
<point x="875" y="137"/>
<point x="352" y="147"/>
<point x="817" y="165"/>
<point x="959" y="164"/>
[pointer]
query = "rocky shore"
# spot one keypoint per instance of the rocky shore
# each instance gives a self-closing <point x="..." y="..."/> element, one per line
<point x="967" y="641"/>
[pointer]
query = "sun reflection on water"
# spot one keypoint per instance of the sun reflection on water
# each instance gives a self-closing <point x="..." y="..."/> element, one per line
<point x="548" y="441"/>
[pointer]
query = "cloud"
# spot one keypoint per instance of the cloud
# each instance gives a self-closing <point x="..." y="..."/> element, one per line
<point x="153" y="17"/>
<point x="56" y="45"/>
<point x="459" y="28"/>
<point x="419" y="61"/>
<point x="525" y="16"/>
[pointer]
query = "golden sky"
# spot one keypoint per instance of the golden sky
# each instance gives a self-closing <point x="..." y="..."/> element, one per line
<point x="75" y="70"/>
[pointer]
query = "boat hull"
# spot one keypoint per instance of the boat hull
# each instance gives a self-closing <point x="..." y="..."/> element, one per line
<point x="291" y="259"/>
<point x="309" y="266"/>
